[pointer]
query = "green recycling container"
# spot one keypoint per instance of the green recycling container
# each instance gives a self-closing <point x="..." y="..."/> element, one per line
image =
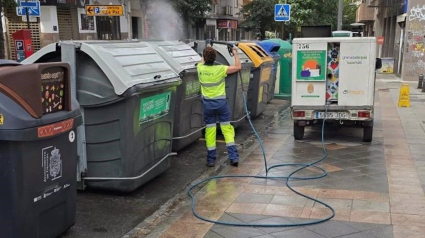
<point x="284" y="84"/>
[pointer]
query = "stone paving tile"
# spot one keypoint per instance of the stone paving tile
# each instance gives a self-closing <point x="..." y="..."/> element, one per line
<point x="371" y="206"/>
<point x="408" y="231"/>
<point x="282" y="210"/>
<point x="335" y="203"/>
<point x="332" y="229"/>
<point x="247" y="208"/>
<point x="408" y="220"/>
<point x="370" y="217"/>
<point x="338" y="194"/>
<point x="323" y="213"/>
<point x="297" y="233"/>
<point x="254" y="198"/>
<point x="295" y="201"/>
<point x="212" y="234"/>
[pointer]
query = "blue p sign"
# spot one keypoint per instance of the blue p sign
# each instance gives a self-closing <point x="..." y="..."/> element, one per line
<point x="96" y="10"/>
<point x="19" y="44"/>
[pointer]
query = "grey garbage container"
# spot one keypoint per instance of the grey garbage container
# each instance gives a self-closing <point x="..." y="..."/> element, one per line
<point x="188" y="118"/>
<point x="126" y="91"/>
<point x="38" y="150"/>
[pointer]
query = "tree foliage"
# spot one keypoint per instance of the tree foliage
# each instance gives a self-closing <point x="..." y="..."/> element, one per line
<point x="259" y="15"/>
<point x="193" y="10"/>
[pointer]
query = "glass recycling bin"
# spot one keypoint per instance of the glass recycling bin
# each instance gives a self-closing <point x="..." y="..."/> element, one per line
<point x="260" y="83"/>
<point x="272" y="49"/>
<point x="38" y="150"/>
<point x="127" y="93"/>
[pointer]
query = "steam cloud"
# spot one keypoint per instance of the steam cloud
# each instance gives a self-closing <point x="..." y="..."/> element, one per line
<point x="165" y="23"/>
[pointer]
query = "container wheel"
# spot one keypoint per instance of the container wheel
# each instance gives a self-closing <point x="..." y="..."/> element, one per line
<point x="298" y="131"/>
<point x="367" y="133"/>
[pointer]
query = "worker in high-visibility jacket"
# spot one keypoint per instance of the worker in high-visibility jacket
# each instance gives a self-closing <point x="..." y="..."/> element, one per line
<point x="213" y="87"/>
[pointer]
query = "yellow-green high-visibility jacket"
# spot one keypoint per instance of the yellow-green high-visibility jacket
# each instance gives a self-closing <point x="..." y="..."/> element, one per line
<point x="212" y="78"/>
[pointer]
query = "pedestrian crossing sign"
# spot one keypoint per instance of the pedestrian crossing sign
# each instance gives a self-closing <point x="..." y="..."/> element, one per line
<point x="282" y="12"/>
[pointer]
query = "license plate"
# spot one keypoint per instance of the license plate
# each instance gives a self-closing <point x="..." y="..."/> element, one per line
<point x="332" y="115"/>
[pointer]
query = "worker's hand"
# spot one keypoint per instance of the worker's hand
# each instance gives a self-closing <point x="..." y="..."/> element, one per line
<point x="235" y="50"/>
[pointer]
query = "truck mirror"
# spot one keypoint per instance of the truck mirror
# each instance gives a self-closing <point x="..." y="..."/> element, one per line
<point x="378" y="64"/>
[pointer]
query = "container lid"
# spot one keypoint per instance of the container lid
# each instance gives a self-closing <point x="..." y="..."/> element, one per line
<point x="270" y="47"/>
<point x="125" y="63"/>
<point x="222" y="49"/>
<point x="178" y="55"/>
<point x="257" y="54"/>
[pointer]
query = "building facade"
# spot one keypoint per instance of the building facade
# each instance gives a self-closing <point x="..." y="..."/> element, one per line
<point x="67" y="20"/>
<point x="402" y="25"/>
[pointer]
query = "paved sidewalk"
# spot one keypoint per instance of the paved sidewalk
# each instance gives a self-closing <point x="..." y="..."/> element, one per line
<point x="376" y="189"/>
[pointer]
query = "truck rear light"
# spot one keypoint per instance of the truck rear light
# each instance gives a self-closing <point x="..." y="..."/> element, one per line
<point x="364" y="114"/>
<point x="299" y="113"/>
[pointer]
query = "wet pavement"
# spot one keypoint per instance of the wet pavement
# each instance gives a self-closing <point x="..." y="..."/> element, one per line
<point x="103" y="214"/>
<point x="376" y="189"/>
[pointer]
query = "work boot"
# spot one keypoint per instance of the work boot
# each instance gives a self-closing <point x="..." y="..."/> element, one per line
<point x="234" y="162"/>
<point x="210" y="163"/>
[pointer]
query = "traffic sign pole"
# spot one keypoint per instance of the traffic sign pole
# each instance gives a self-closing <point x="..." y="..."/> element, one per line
<point x="28" y="17"/>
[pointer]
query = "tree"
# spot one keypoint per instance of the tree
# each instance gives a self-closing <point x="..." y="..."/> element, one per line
<point x="193" y="11"/>
<point x="349" y="15"/>
<point x="259" y="16"/>
<point x="4" y="4"/>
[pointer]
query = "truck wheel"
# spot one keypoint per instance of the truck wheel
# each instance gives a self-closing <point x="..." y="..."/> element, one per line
<point x="298" y="131"/>
<point x="367" y="133"/>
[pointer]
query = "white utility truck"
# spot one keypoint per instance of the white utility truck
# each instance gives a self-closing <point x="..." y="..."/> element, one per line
<point x="337" y="75"/>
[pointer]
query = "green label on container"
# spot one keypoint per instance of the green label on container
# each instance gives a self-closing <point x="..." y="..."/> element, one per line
<point x="154" y="107"/>
<point x="311" y="65"/>
<point x="193" y="89"/>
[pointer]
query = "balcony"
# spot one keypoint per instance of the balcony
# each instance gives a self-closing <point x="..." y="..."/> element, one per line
<point x="222" y="12"/>
<point x="365" y="13"/>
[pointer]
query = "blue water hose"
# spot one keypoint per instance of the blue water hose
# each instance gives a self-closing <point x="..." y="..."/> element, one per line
<point x="288" y="178"/>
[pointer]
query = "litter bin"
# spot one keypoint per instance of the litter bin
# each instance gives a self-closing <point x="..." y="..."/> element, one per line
<point x="260" y="82"/>
<point x="38" y="150"/>
<point x="189" y="111"/>
<point x="273" y="50"/>
<point x="284" y="84"/>
<point x="126" y="91"/>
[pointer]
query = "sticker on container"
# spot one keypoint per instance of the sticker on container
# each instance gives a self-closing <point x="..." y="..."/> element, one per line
<point x="260" y="94"/>
<point x="265" y="74"/>
<point x="311" y="65"/>
<point x="1" y="119"/>
<point x="71" y="136"/>
<point x="193" y="89"/>
<point x="154" y="107"/>
<point x="51" y="164"/>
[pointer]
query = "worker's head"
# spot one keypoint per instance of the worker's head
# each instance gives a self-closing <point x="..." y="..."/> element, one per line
<point x="210" y="55"/>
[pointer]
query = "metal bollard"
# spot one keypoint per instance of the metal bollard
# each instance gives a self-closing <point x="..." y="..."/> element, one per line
<point x="421" y="80"/>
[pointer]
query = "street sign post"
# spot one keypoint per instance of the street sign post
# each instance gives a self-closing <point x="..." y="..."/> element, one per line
<point x="33" y="9"/>
<point x="282" y="12"/>
<point x="104" y="10"/>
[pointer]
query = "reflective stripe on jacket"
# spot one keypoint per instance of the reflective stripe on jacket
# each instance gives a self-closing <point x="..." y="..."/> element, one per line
<point x="212" y="78"/>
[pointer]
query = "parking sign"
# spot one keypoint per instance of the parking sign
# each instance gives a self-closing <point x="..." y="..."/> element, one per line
<point x="19" y="45"/>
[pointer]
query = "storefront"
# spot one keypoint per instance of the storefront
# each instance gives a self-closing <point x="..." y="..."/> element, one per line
<point x="227" y="30"/>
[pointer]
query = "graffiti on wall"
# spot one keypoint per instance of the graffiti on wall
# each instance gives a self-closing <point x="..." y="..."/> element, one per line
<point x="414" y="58"/>
<point x="417" y="13"/>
